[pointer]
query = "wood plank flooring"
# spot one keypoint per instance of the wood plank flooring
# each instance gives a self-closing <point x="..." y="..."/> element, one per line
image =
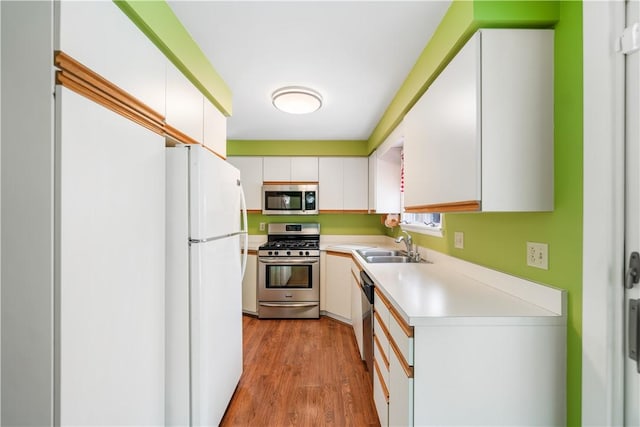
<point x="301" y="373"/>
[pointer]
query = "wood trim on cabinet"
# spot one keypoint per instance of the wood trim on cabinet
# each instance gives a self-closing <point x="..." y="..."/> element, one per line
<point x="408" y="369"/>
<point x="250" y="252"/>
<point x="80" y="79"/>
<point x="382" y="353"/>
<point x="254" y="211"/>
<point x="357" y="278"/>
<point x="385" y="390"/>
<point x="178" y="135"/>
<point x="385" y="330"/>
<point x="466" y="206"/>
<point x="357" y="263"/>
<point x="342" y="254"/>
<point x="343" y="211"/>
<point x="406" y="328"/>
<point x="289" y="182"/>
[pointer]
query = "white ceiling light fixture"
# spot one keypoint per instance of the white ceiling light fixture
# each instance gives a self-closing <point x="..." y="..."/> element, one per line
<point x="296" y="100"/>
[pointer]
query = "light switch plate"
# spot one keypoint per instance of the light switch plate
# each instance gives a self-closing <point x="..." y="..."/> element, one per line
<point x="538" y="255"/>
<point x="262" y="226"/>
<point x="458" y="240"/>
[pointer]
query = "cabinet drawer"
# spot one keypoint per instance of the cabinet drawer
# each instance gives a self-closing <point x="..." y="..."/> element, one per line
<point x="380" y="305"/>
<point x="381" y="394"/>
<point x="403" y="342"/>
<point x="400" y="395"/>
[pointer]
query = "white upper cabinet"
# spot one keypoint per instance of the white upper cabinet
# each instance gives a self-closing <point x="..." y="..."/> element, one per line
<point x="290" y="169"/>
<point x="343" y="183"/>
<point x="185" y="105"/>
<point x="481" y="137"/>
<point x="384" y="174"/>
<point x="214" y="129"/>
<point x="101" y="37"/>
<point x="251" y="177"/>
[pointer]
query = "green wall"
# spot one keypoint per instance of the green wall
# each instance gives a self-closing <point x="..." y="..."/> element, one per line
<point x="296" y="148"/>
<point x="356" y="224"/>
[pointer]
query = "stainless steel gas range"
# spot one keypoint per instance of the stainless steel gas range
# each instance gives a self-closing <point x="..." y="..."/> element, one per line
<point x="289" y="272"/>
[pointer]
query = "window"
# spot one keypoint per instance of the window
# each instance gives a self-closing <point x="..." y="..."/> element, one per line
<point x="425" y="223"/>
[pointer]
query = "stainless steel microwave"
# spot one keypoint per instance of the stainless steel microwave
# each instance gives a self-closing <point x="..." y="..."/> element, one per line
<point x="290" y="199"/>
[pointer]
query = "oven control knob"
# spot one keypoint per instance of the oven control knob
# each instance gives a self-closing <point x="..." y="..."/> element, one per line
<point x="275" y="252"/>
<point x="307" y="253"/>
<point x="301" y="253"/>
<point x="288" y="252"/>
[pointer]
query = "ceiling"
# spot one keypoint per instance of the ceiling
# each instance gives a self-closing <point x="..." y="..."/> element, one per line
<point x="356" y="54"/>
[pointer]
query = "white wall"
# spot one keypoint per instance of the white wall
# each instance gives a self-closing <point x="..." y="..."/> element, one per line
<point x="603" y="256"/>
<point x="27" y="213"/>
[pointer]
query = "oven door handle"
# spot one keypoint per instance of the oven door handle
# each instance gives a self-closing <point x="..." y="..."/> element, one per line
<point x="302" y="304"/>
<point x="288" y="261"/>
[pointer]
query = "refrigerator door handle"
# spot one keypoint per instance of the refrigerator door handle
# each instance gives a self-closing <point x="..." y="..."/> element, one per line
<point x="245" y="229"/>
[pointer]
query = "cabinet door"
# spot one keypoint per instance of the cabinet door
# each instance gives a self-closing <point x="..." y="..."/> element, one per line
<point x="277" y="169"/>
<point x="331" y="190"/>
<point x="214" y="129"/>
<point x="110" y="335"/>
<point x="400" y="394"/>
<point x="387" y="181"/>
<point x="442" y="140"/>
<point x="304" y="169"/>
<point x="185" y="104"/>
<point x="249" y="285"/>
<point x="338" y="286"/>
<point x="251" y="177"/>
<point x="356" y="183"/>
<point x="103" y="38"/>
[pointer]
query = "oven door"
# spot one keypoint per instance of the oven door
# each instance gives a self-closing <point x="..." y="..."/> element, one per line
<point x="288" y="279"/>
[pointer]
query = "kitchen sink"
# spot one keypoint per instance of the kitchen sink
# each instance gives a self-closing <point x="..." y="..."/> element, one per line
<point x="376" y="259"/>
<point x="381" y="253"/>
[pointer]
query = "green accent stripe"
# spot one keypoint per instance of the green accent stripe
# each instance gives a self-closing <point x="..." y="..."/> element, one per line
<point x="459" y="23"/>
<point x="158" y="22"/>
<point x="296" y="148"/>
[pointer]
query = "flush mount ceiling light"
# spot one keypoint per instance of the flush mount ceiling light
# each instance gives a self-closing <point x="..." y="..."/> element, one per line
<point x="296" y="100"/>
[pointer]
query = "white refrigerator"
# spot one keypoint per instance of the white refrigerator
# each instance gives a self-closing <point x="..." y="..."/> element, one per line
<point x="203" y="286"/>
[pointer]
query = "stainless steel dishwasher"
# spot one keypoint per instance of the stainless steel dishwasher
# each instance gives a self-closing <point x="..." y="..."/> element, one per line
<point x="366" y="296"/>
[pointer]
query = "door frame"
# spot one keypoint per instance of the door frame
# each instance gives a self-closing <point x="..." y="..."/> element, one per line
<point x="603" y="215"/>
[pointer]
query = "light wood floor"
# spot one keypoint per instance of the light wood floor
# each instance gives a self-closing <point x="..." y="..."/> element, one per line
<point x="301" y="373"/>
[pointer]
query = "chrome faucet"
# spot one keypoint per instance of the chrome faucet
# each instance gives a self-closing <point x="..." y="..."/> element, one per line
<point x="412" y="253"/>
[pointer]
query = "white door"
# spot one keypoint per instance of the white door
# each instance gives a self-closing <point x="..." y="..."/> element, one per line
<point x="632" y="374"/>
<point x="216" y="328"/>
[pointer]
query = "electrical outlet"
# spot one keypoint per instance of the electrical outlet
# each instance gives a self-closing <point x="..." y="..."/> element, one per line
<point x="458" y="240"/>
<point x="262" y="226"/>
<point x="538" y="255"/>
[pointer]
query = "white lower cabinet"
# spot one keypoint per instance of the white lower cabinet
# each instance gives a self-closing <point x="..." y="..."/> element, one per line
<point x="337" y="283"/>
<point x="489" y="373"/>
<point x="250" y="285"/>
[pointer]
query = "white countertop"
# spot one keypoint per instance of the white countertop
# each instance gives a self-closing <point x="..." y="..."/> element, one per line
<point x="431" y="294"/>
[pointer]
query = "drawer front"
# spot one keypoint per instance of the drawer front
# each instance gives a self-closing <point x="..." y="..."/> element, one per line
<point x="381" y="308"/>
<point x="381" y="394"/>
<point x="381" y="343"/>
<point x="402" y="341"/>
<point x="400" y="395"/>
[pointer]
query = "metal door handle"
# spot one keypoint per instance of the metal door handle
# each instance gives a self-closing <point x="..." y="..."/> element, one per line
<point x="633" y="272"/>
<point x="632" y="330"/>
